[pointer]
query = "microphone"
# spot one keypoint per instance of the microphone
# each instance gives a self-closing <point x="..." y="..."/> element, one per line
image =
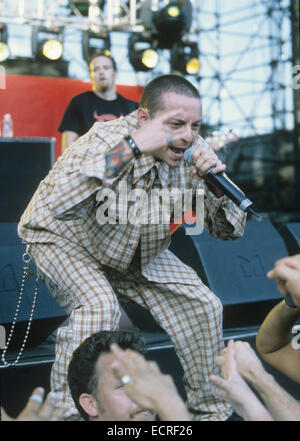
<point x="222" y="183"/>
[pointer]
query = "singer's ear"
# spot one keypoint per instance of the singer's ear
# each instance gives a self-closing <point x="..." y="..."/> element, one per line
<point x="143" y="115"/>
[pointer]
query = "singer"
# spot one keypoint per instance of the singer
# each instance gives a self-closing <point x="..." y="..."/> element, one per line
<point x="87" y="265"/>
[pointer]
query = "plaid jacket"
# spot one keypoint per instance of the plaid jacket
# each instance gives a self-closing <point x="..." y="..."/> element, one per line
<point x="64" y="207"/>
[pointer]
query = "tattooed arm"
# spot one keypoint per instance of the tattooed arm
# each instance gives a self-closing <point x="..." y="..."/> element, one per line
<point x="117" y="158"/>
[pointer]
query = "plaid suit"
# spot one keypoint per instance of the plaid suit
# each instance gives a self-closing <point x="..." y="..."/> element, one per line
<point x="87" y="265"/>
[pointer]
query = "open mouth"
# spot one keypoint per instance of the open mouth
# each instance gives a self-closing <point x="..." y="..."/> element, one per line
<point x="177" y="153"/>
<point x="177" y="150"/>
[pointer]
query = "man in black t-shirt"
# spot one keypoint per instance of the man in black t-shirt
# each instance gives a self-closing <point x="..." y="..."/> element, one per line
<point x="103" y="103"/>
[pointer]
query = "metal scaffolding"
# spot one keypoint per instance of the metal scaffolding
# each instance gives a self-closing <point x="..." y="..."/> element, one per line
<point x="246" y="52"/>
<point x="247" y="58"/>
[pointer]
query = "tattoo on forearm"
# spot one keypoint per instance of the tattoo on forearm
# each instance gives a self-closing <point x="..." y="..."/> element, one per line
<point x="115" y="160"/>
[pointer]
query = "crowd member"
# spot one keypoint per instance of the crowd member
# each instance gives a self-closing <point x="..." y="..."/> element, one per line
<point x="103" y="103"/>
<point x="88" y="256"/>
<point x="37" y="409"/>
<point x="277" y="345"/>
<point x="280" y="405"/>
<point x="273" y="341"/>
<point x="234" y="388"/>
<point x="96" y="381"/>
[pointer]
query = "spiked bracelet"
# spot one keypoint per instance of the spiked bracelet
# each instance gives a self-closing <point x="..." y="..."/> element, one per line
<point x="132" y="144"/>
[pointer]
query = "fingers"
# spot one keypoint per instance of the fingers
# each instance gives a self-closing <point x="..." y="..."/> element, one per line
<point x="129" y="358"/>
<point x="286" y="276"/>
<point x="229" y="359"/>
<point x="119" y="370"/>
<point x="291" y="261"/>
<point x="4" y="416"/>
<point x="38" y="410"/>
<point x="281" y="271"/>
<point x="204" y="160"/>
<point x="47" y="410"/>
<point x="35" y="402"/>
<point x="220" y="360"/>
<point x="220" y="383"/>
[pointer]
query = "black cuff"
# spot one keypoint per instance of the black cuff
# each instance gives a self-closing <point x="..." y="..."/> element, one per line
<point x="290" y="302"/>
<point x="132" y="144"/>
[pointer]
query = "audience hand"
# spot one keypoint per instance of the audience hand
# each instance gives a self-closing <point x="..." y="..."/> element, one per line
<point x="246" y="360"/>
<point x="148" y="387"/>
<point x="37" y="409"/>
<point x="286" y="272"/>
<point x="234" y="388"/>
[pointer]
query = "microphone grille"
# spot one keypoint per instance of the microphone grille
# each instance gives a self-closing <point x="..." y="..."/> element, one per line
<point x="188" y="155"/>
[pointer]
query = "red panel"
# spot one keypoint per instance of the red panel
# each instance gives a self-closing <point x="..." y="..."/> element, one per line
<point x="37" y="104"/>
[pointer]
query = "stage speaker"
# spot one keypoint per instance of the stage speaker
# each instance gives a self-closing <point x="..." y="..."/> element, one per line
<point x="264" y="166"/>
<point x="291" y="235"/>
<point x="48" y="315"/>
<point x="24" y="164"/>
<point x="236" y="270"/>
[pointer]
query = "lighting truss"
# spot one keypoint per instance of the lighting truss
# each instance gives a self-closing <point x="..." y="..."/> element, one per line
<point x="226" y="76"/>
<point x="104" y="15"/>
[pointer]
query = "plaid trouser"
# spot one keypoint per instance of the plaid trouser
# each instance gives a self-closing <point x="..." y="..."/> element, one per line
<point x="190" y="314"/>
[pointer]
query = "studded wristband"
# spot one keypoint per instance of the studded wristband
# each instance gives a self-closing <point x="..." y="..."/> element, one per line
<point x="132" y="144"/>
<point x="290" y="302"/>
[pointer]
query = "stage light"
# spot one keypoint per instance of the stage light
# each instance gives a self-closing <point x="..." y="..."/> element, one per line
<point x="47" y="44"/>
<point x="173" y="11"/>
<point x="169" y="23"/>
<point x="150" y="58"/>
<point x="52" y="49"/>
<point x="185" y="58"/>
<point x="92" y="43"/>
<point x="4" y="50"/>
<point x="142" y="55"/>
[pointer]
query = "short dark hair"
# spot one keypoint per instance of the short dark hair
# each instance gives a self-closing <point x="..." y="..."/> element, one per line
<point x="153" y="92"/>
<point x="103" y="53"/>
<point x="82" y="371"/>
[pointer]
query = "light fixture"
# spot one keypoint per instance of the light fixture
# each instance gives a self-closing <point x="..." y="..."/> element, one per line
<point x="47" y="44"/>
<point x="185" y="58"/>
<point x="52" y="49"/>
<point x="92" y="43"/>
<point x="4" y="50"/>
<point x="142" y="55"/>
<point x="169" y="23"/>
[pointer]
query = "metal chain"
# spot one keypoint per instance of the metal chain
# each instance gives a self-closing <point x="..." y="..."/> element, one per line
<point x="27" y="260"/>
